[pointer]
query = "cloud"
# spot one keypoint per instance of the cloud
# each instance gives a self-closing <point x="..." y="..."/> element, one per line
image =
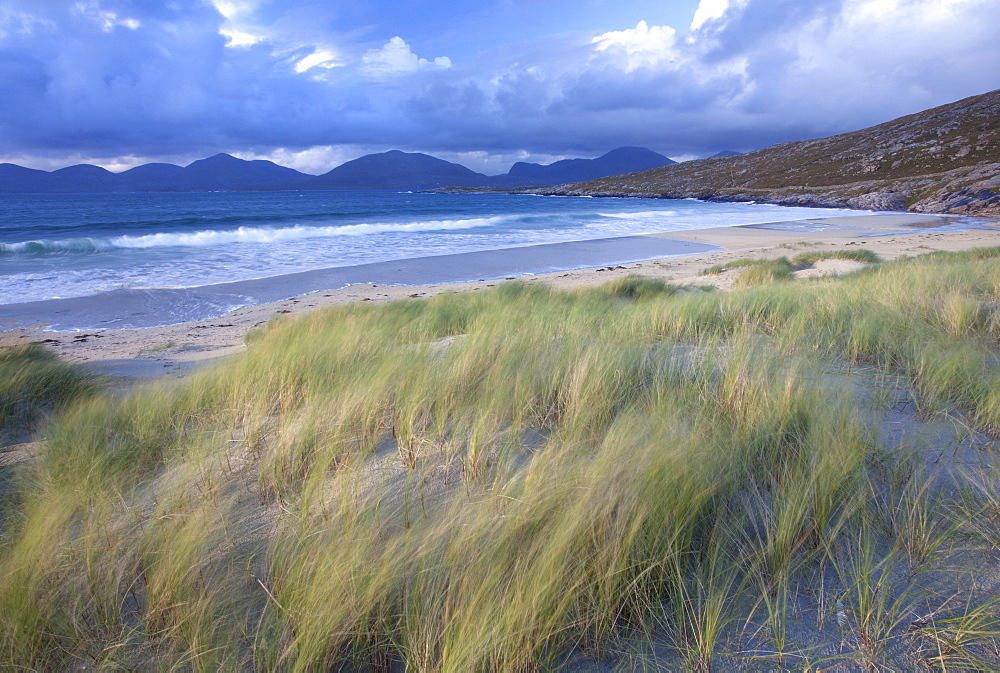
<point x="396" y="57"/>
<point x="838" y="65"/>
<point x="319" y="58"/>
<point x="236" y="28"/>
<point x="709" y="10"/>
<point x="309" y="82"/>
<point x="639" y="47"/>
<point x="106" y="20"/>
<point x="314" y="160"/>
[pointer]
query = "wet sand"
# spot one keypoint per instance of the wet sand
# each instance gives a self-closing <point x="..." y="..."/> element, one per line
<point x="174" y="350"/>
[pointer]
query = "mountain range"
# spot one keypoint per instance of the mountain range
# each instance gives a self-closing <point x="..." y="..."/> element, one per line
<point x="387" y="170"/>
<point x="220" y="172"/>
<point x="942" y="160"/>
<point x="615" y="162"/>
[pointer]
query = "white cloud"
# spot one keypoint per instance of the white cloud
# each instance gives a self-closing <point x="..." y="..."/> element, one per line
<point x="708" y="10"/>
<point x="238" y="38"/>
<point x="107" y="20"/>
<point x="642" y="46"/>
<point x="396" y="57"/>
<point x="320" y="58"/>
<point x="237" y="27"/>
<point x="233" y="9"/>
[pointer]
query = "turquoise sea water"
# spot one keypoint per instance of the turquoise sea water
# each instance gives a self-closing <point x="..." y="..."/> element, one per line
<point x="74" y="245"/>
<point x="73" y="262"/>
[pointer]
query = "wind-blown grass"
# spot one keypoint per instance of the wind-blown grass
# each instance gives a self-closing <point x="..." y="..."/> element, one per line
<point x="33" y="382"/>
<point x="748" y="262"/>
<point x="766" y="271"/>
<point x="764" y="274"/>
<point x="855" y="255"/>
<point x="513" y="479"/>
<point x="758" y="271"/>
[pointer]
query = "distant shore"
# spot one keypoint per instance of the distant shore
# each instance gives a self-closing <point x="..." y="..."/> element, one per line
<point x="174" y="350"/>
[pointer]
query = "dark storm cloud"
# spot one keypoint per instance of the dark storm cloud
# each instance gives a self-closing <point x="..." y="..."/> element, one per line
<point x="109" y="78"/>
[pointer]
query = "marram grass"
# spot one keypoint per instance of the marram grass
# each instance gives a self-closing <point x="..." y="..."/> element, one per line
<point x="854" y="254"/>
<point x="637" y="474"/>
<point x="766" y="271"/>
<point x="32" y="383"/>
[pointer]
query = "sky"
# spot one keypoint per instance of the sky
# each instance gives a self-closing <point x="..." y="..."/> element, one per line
<point x="313" y="83"/>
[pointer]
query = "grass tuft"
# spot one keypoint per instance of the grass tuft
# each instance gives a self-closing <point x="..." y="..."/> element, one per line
<point x="806" y="259"/>
<point x="766" y="272"/>
<point x="637" y="287"/>
<point x="34" y="381"/>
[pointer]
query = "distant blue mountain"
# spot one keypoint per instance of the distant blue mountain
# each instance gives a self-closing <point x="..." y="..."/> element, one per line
<point x="14" y="178"/>
<point x="227" y="172"/>
<point x="85" y="178"/>
<point x="153" y="177"/>
<point x="615" y="162"/>
<point x="387" y="170"/>
<point x="221" y="172"/>
<point x="725" y="153"/>
<point x="397" y="170"/>
<point x="403" y="170"/>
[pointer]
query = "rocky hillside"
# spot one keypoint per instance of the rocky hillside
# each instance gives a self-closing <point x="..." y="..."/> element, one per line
<point x="943" y="160"/>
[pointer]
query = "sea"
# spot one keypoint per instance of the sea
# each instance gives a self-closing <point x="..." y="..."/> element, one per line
<point x="64" y="246"/>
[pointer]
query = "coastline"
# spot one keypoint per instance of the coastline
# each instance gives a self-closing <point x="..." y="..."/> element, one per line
<point x="142" y="353"/>
<point x="154" y="307"/>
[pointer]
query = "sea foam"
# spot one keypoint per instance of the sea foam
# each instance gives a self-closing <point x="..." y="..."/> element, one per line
<point x="214" y="237"/>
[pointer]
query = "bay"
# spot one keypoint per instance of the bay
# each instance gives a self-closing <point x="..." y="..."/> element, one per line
<point x="76" y="245"/>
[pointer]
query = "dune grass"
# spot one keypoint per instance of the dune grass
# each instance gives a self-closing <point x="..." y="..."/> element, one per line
<point x="525" y="478"/>
<point x="744" y="263"/>
<point x="766" y="271"/>
<point x="33" y="381"/>
<point x="757" y="271"/>
<point x="856" y="255"/>
<point x="765" y="274"/>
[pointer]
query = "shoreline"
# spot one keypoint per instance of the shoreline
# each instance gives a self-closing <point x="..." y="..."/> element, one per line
<point x="157" y="307"/>
<point x="144" y="353"/>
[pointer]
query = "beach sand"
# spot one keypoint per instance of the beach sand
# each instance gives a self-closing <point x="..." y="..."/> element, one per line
<point x="174" y="350"/>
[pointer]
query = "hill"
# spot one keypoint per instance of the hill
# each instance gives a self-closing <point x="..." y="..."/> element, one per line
<point x="404" y="170"/>
<point x="397" y="170"/>
<point x="220" y="172"/>
<point x="615" y="162"/>
<point x="942" y="160"/>
<point x="14" y="178"/>
<point x="223" y="171"/>
<point x="152" y="177"/>
<point x="84" y="178"/>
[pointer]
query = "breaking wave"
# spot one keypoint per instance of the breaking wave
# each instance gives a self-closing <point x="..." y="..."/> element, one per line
<point x="215" y="237"/>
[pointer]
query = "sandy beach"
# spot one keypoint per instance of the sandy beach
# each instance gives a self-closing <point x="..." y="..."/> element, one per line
<point x="174" y="350"/>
